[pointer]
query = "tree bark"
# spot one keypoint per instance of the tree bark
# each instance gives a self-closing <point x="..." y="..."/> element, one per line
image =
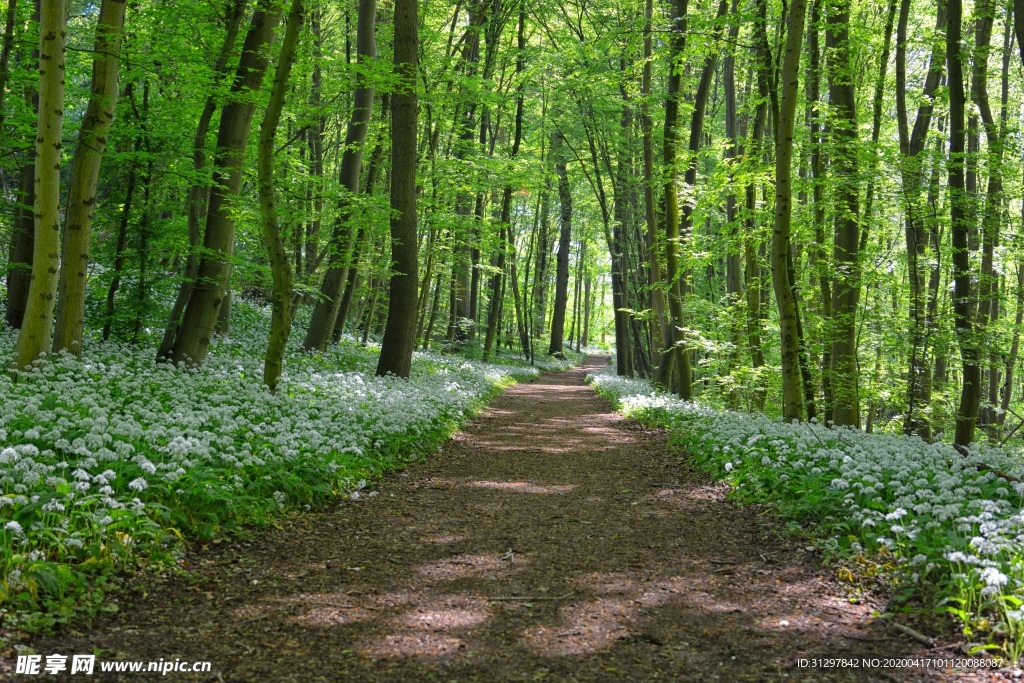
<point x="280" y="267"/>
<point x="37" y="326"/>
<point x="376" y="159"/>
<point x="963" y="314"/>
<point x="326" y="312"/>
<point x="792" y="403"/>
<point x="400" y="331"/>
<point x="193" y="341"/>
<point x="198" y="193"/>
<point x="733" y="263"/>
<point x="564" y="243"/>
<point x="991" y="216"/>
<point x="121" y="242"/>
<point x="676" y="357"/>
<point x="85" y="174"/>
<point x="659" y="324"/>
<point x="507" y="243"/>
<point x="912" y="144"/>
<point x="846" y="254"/>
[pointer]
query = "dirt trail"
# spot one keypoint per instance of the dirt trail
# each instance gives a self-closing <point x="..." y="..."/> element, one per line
<point x="551" y="540"/>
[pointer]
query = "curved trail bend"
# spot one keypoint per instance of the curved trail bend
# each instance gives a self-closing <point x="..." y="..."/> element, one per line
<point x="551" y="540"/>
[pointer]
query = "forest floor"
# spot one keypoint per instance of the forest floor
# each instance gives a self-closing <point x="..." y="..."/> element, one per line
<point x="551" y="540"/>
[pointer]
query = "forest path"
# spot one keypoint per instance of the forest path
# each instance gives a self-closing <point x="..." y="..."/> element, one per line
<point x="551" y="540"/>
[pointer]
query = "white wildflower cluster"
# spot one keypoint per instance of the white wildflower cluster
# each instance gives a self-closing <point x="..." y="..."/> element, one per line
<point x="111" y="449"/>
<point x="942" y="516"/>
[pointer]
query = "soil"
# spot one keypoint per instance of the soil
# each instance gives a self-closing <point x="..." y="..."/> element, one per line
<point x="551" y="540"/>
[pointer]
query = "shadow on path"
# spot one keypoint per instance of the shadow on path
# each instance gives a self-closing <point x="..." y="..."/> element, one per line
<point x="551" y="540"/>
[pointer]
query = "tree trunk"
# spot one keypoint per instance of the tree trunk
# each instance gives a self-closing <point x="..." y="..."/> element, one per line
<point x="733" y="265"/>
<point x="564" y="244"/>
<point x="23" y="232"/>
<point x="991" y="217"/>
<point x="1011" y="359"/>
<point x="85" y="174"/>
<point x="659" y="324"/>
<point x="433" y="313"/>
<point x="970" y="395"/>
<point x="280" y="268"/>
<point x="23" y="237"/>
<point x="326" y="312"/>
<point x="585" y="337"/>
<point x="34" y="337"/>
<point x="376" y="160"/>
<point x="792" y="403"/>
<point x="675" y="357"/>
<point x="199" y="191"/>
<point x="508" y="239"/>
<point x="400" y="332"/>
<point x="10" y="19"/>
<point x="121" y="243"/>
<point x="846" y="255"/>
<point x="751" y="244"/>
<point x="540" y="277"/>
<point x="818" y="252"/>
<point x="193" y="341"/>
<point x="911" y="167"/>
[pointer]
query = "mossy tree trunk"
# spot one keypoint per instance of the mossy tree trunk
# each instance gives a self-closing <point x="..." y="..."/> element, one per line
<point x="37" y="326"/>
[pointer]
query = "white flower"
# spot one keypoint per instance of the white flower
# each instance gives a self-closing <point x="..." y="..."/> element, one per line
<point x="138" y="484"/>
<point x="14" y="528"/>
<point x="898" y="513"/>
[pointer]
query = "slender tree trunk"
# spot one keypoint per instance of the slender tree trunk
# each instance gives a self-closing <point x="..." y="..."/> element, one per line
<point x="376" y="160"/>
<point x="280" y="268"/>
<point x="10" y="19"/>
<point x="752" y="245"/>
<point x="37" y="326"/>
<point x="912" y="163"/>
<point x="121" y="243"/>
<point x="142" y="284"/>
<point x="733" y="265"/>
<point x="517" y="298"/>
<point x="85" y="174"/>
<point x="311" y="243"/>
<point x="505" y="226"/>
<point x="1011" y="359"/>
<point x="587" y="288"/>
<point x="574" y="324"/>
<point x="465" y="255"/>
<point x="792" y="404"/>
<point x="23" y="233"/>
<point x="193" y="341"/>
<point x="400" y="332"/>
<point x="655" y="278"/>
<point x="541" y="277"/>
<point x="326" y="312"/>
<point x="198" y="193"/>
<point x="371" y="309"/>
<point x="846" y="255"/>
<point x="963" y="315"/>
<point x="818" y="252"/>
<point x="564" y="244"/>
<point x="433" y="313"/>
<point x="23" y="237"/>
<point x="676" y="356"/>
<point x="684" y="226"/>
<point x="991" y="217"/>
